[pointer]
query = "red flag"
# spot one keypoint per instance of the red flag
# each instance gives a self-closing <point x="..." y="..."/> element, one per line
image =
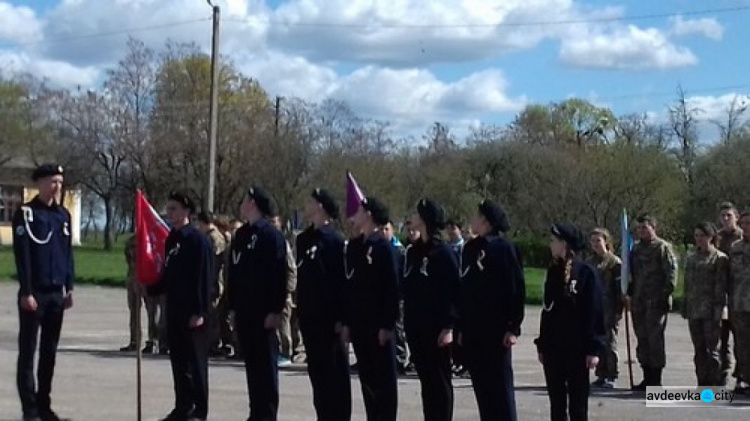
<point x="354" y="195"/>
<point x="151" y="233"/>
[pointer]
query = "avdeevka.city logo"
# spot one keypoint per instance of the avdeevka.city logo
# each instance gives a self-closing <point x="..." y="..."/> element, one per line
<point x="685" y="396"/>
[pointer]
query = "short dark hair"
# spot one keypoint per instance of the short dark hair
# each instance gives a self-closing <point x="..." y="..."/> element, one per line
<point x="646" y="219"/>
<point x="727" y="206"/>
<point x="205" y="217"/>
<point x="454" y="223"/>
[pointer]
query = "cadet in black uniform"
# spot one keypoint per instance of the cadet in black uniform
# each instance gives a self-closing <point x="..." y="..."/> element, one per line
<point x="431" y="288"/>
<point x="187" y="282"/>
<point x="257" y="294"/>
<point x="572" y="327"/>
<point x="44" y="264"/>
<point x="320" y="303"/>
<point x="372" y="275"/>
<point x="492" y="300"/>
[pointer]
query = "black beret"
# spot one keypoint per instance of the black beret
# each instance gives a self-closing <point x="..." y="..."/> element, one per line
<point x="46" y="170"/>
<point x="570" y="234"/>
<point x="495" y="215"/>
<point x="325" y="198"/>
<point x="183" y="199"/>
<point x="379" y="212"/>
<point x="432" y="214"/>
<point x="263" y="200"/>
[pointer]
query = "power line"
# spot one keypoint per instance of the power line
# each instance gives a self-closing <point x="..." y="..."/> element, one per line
<point x="651" y="16"/>
<point x="105" y="34"/>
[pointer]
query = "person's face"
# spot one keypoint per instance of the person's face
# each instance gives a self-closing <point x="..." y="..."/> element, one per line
<point x="701" y="239"/>
<point x="415" y="223"/>
<point x="246" y="207"/>
<point x="276" y="222"/>
<point x="50" y="186"/>
<point x="598" y="244"/>
<point x="728" y="219"/>
<point x="745" y="225"/>
<point x="176" y="213"/>
<point x="202" y="227"/>
<point x="479" y="225"/>
<point x="312" y="209"/>
<point x="454" y="233"/>
<point x="388" y="231"/>
<point x="646" y="231"/>
<point x="558" y="247"/>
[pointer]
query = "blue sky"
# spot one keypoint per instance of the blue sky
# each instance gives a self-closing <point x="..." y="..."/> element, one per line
<point x="380" y="58"/>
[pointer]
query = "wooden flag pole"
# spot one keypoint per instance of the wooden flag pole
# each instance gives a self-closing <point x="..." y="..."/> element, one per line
<point x="627" y="341"/>
<point x="139" y="355"/>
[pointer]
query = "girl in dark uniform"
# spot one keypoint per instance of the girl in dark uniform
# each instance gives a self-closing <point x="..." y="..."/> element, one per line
<point x="431" y="286"/>
<point x="571" y="335"/>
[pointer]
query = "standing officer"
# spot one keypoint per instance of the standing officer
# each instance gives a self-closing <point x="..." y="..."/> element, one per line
<point x="739" y="303"/>
<point x="44" y="264"/>
<point x="729" y="234"/>
<point x="320" y="295"/>
<point x="187" y="282"/>
<point x="654" y="277"/>
<point x="373" y="310"/>
<point x="257" y="294"/>
<point x="431" y="289"/>
<point x="492" y="300"/>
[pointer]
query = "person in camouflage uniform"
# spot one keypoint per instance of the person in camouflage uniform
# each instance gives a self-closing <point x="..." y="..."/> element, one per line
<point x="705" y="292"/>
<point x="206" y="224"/>
<point x="608" y="267"/>
<point x="653" y="279"/>
<point x="739" y="302"/>
<point x="729" y="234"/>
<point x="136" y="292"/>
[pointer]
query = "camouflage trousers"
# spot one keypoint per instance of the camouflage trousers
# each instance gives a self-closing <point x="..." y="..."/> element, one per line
<point x="741" y="323"/>
<point x="607" y="368"/>
<point x="705" y="336"/>
<point x="136" y="293"/>
<point x="649" y="323"/>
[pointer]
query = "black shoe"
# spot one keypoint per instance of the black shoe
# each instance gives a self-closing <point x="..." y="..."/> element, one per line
<point x="175" y="416"/>
<point x="149" y="348"/>
<point x="49" y="415"/>
<point x="163" y="351"/>
<point x="31" y="417"/>
<point x="129" y="348"/>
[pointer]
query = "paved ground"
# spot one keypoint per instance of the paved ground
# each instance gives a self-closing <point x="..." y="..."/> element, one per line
<point x="95" y="382"/>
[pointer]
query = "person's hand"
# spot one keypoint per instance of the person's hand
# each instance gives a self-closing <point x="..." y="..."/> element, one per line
<point x="540" y="358"/>
<point x="510" y="340"/>
<point x="592" y="361"/>
<point x="68" y="302"/>
<point x="195" y="322"/>
<point x="445" y="338"/>
<point x="28" y="303"/>
<point x="384" y="336"/>
<point x="272" y="322"/>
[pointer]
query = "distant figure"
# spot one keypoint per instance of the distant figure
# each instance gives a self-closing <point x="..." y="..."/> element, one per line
<point x="136" y="293"/>
<point x="729" y="234"/>
<point x="285" y="333"/>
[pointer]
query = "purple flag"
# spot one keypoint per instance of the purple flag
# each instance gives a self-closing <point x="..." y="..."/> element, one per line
<point x="354" y="195"/>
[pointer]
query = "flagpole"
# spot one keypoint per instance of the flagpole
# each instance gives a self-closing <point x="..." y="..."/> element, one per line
<point x="627" y="341"/>
<point x="139" y="358"/>
<point x="626" y="245"/>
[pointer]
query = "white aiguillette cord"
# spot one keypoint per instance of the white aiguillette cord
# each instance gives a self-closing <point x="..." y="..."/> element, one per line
<point x="28" y="216"/>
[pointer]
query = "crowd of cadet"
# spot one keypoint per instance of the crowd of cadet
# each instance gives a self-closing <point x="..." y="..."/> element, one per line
<point x="241" y="289"/>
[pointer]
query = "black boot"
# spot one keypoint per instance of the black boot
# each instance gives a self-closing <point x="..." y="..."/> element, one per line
<point x="656" y="376"/>
<point x="641" y="387"/>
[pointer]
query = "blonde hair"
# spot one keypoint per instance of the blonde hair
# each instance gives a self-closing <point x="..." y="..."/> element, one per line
<point x="605" y="234"/>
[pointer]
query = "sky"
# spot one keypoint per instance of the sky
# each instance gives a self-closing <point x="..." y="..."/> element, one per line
<point x="414" y="62"/>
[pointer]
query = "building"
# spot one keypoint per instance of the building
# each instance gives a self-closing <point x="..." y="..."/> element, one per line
<point x="16" y="188"/>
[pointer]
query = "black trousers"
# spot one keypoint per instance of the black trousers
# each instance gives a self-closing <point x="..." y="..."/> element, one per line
<point x="49" y="317"/>
<point x="188" y="353"/>
<point x="377" y="373"/>
<point x="260" y="350"/>
<point x="567" y="385"/>
<point x="328" y="368"/>
<point x="433" y="365"/>
<point x="491" y="369"/>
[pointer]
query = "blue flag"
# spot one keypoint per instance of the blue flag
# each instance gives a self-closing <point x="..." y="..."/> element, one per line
<point x="625" y="248"/>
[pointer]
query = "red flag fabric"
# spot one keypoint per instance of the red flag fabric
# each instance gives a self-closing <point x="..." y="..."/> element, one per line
<point x="151" y="233"/>
<point x="354" y="195"/>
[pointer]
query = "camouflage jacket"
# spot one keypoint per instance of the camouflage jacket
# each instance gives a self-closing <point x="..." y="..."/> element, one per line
<point x="653" y="268"/>
<point x="739" y="276"/>
<point x="705" y="285"/>
<point x="727" y="239"/>
<point x="608" y="270"/>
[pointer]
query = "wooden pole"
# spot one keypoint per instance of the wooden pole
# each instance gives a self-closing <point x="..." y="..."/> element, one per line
<point x="139" y="353"/>
<point x="627" y="341"/>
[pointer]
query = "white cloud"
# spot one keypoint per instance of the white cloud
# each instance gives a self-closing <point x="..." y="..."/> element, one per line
<point x="19" y="24"/>
<point x="58" y="73"/>
<point x="708" y="27"/>
<point x="716" y="107"/>
<point x="624" y="47"/>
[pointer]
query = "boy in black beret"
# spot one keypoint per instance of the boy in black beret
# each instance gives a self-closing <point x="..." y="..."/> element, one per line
<point x="373" y="310"/>
<point x="431" y="289"/>
<point x="42" y="245"/>
<point x="257" y="293"/>
<point x="571" y="336"/>
<point x="321" y="302"/>
<point x="492" y="309"/>
<point x="187" y="282"/>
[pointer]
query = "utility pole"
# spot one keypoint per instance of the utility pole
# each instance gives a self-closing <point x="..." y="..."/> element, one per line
<point x="213" y="110"/>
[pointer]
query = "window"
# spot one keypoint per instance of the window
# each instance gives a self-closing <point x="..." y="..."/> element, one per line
<point x="11" y="199"/>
